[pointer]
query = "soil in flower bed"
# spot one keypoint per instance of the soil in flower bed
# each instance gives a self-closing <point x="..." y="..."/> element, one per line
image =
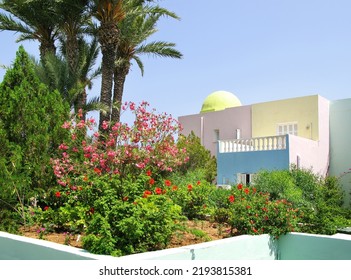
<point x="190" y="232"/>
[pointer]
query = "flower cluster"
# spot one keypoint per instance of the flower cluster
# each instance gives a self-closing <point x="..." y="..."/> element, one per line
<point x="251" y="212"/>
<point x="119" y="149"/>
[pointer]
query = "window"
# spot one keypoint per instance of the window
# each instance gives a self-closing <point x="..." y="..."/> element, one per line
<point x="287" y="128"/>
<point x="245" y="178"/>
<point x="216" y="135"/>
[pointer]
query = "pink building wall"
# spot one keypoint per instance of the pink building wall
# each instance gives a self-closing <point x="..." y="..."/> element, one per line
<point x="212" y="126"/>
<point x="313" y="154"/>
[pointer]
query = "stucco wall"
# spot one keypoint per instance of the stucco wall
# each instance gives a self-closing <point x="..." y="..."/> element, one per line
<point x="15" y="247"/>
<point x="225" y="121"/>
<point x="300" y="246"/>
<point x="340" y="143"/>
<point x="303" y="110"/>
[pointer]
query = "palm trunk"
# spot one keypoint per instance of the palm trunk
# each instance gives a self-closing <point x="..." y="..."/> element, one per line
<point x="72" y="54"/>
<point x="119" y="80"/>
<point x="47" y="47"/>
<point x="108" y="38"/>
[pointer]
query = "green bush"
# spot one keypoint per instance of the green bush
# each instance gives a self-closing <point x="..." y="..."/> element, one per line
<point x="199" y="158"/>
<point x="132" y="227"/>
<point x="318" y="199"/>
<point x="193" y="198"/>
<point x="30" y="120"/>
<point x="254" y="213"/>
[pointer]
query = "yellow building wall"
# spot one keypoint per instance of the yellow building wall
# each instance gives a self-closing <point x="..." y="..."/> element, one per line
<point x="302" y="110"/>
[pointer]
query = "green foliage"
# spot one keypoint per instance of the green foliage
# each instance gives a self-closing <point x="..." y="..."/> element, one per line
<point x="199" y="158"/>
<point x="193" y="198"/>
<point x="30" y="132"/>
<point x="254" y="213"/>
<point x="318" y="199"/>
<point x="144" y="224"/>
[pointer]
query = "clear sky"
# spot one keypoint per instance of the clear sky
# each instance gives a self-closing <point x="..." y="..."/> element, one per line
<point x="260" y="50"/>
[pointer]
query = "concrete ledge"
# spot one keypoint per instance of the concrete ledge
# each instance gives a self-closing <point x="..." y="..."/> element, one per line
<point x="15" y="247"/>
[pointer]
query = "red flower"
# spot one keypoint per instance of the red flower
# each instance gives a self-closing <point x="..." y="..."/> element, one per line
<point x="57" y="194"/>
<point x="92" y="210"/>
<point x="125" y="198"/>
<point x="46" y="208"/>
<point x="247" y="191"/>
<point x="158" y="191"/>
<point x="240" y="186"/>
<point x="174" y="188"/>
<point x="254" y="190"/>
<point x="147" y="193"/>
<point x="190" y="187"/>
<point x="248" y="207"/>
<point x="148" y="173"/>
<point x="151" y="181"/>
<point x="168" y="183"/>
<point x="198" y="183"/>
<point x="97" y="171"/>
<point x="231" y="198"/>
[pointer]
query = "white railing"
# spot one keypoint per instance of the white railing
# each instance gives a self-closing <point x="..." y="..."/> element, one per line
<point x="268" y="143"/>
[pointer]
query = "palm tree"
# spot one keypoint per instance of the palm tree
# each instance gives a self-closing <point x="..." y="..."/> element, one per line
<point x="74" y="17"/>
<point x="55" y="72"/>
<point x="34" y="20"/>
<point x="109" y="13"/>
<point x="74" y="20"/>
<point x="135" y="29"/>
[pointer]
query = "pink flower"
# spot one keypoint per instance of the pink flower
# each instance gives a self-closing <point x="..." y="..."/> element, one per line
<point x="104" y="125"/>
<point x="63" y="147"/>
<point x="61" y="183"/>
<point x="140" y="165"/>
<point x="66" y="125"/>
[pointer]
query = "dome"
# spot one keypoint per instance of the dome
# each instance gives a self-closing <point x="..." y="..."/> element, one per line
<point x="219" y="100"/>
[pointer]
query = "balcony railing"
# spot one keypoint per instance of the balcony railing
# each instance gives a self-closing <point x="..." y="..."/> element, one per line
<point x="268" y="143"/>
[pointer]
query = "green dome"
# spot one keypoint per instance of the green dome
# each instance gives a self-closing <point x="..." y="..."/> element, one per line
<point x="219" y="100"/>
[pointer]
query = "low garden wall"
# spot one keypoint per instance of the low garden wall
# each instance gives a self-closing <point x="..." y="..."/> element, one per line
<point x="293" y="246"/>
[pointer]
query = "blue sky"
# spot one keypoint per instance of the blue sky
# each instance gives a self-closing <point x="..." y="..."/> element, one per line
<point x="260" y="50"/>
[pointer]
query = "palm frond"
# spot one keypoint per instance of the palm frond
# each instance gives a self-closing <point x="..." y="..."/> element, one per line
<point x="10" y="24"/>
<point x="139" y="63"/>
<point x="159" y="49"/>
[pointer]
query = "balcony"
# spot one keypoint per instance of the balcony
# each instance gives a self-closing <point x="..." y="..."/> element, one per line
<point x="269" y="143"/>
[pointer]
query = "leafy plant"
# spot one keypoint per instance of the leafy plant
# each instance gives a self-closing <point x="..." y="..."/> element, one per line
<point x="30" y="118"/>
<point x="254" y="213"/>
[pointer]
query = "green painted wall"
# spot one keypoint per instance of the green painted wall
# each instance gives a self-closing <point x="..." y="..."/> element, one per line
<point x="340" y="141"/>
<point x="314" y="247"/>
<point x="293" y="246"/>
<point x="13" y="247"/>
